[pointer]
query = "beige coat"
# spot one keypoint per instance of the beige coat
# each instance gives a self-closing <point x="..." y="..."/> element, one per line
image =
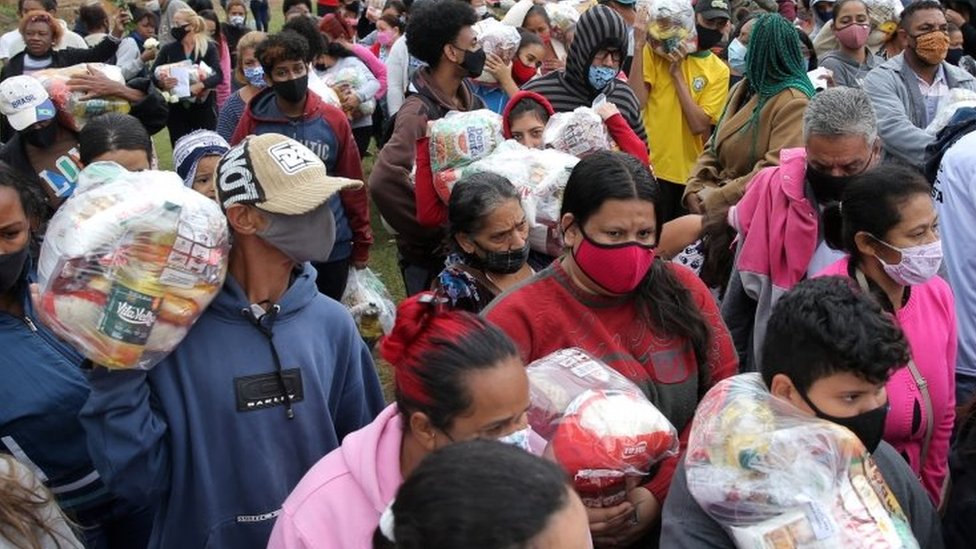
<point x="734" y="161"/>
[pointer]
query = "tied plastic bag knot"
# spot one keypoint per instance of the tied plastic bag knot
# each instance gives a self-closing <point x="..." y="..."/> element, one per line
<point x="369" y="303"/>
<point x="129" y="263"/>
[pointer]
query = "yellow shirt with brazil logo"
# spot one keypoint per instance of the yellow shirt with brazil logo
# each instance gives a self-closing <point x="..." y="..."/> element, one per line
<point x="674" y="149"/>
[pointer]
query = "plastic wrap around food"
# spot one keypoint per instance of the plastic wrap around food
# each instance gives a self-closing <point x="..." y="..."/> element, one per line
<point x="129" y="263"/>
<point x="884" y="16"/>
<point x="775" y="477"/>
<point x="459" y="139"/>
<point x="540" y="177"/>
<point x="369" y="303"/>
<point x="350" y="78"/>
<point x="563" y="17"/>
<point x="74" y="110"/>
<point x="601" y="429"/>
<point x="578" y="133"/>
<point x="186" y="74"/>
<point x="671" y="23"/>
<point x="498" y="39"/>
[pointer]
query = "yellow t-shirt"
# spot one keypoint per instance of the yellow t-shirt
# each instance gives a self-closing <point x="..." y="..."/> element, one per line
<point x="674" y="149"/>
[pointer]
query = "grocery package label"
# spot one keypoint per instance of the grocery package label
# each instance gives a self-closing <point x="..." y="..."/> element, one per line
<point x="192" y="258"/>
<point x="129" y="315"/>
<point x="820" y="521"/>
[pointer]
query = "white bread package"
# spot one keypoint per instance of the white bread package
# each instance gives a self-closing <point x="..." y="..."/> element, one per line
<point x="129" y="263"/>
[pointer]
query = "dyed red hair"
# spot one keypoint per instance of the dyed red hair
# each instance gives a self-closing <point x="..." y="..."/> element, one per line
<point x="40" y="16"/>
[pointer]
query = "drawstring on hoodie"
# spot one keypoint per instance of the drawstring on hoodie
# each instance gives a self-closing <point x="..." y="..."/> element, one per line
<point x="268" y="332"/>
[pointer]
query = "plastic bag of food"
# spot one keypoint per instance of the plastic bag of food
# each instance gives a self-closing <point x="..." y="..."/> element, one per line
<point x="74" y="111"/>
<point x="129" y="263"/>
<point x="459" y="139"/>
<point x="496" y="38"/>
<point x="776" y="477"/>
<point x="369" y="303"/>
<point x="671" y="23"/>
<point x="563" y="17"/>
<point x="186" y="75"/>
<point x="540" y="177"/>
<point x="601" y="429"/>
<point x="350" y="78"/>
<point x="884" y="16"/>
<point x="578" y="133"/>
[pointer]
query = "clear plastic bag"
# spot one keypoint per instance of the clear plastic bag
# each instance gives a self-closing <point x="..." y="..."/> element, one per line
<point x="350" y="78"/>
<point x="601" y="429"/>
<point x="563" y="17"/>
<point x="74" y="111"/>
<point x="196" y="73"/>
<point x="369" y="303"/>
<point x="776" y="477"/>
<point x="540" y="176"/>
<point x="459" y="139"/>
<point x="578" y="133"/>
<point x="129" y="263"/>
<point x="671" y="23"/>
<point x="884" y="16"/>
<point x="498" y="39"/>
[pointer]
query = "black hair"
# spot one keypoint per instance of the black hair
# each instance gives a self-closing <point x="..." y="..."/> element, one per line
<point x="397" y="5"/>
<point x="915" y="7"/>
<point x="528" y="38"/>
<point x="393" y="21"/>
<point x="283" y="46"/>
<point x="32" y="198"/>
<point x="518" y="494"/>
<point x="337" y="50"/>
<point x="434" y="24"/>
<point x="805" y="39"/>
<point x="200" y="5"/>
<point x="211" y="16"/>
<point x="661" y="299"/>
<point x="49" y="5"/>
<point x="528" y="105"/>
<point x="540" y="11"/>
<point x="93" y="16"/>
<point x="474" y="197"/>
<point x="825" y="326"/>
<point x="308" y="29"/>
<point x="138" y="14"/>
<point x="841" y="3"/>
<point x="112" y="132"/>
<point x="289" y="4"/>
<point x="432" y="350"/>
<point x="871" y="202"/>
<point x="352" y="7"/>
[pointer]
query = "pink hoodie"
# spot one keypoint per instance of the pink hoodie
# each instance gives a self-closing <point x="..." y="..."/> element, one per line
<point x="338" y="503"/>
<point x="929" y="323"/>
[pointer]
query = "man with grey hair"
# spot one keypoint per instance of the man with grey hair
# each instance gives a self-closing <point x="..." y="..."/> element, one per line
<point x="781" y="218"/>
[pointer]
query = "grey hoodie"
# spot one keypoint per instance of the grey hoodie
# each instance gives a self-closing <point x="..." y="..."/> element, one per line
<point x="847" y="72"/>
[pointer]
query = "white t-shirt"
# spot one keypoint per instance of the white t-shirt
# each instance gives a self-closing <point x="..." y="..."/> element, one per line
<point x="12" y="42"/>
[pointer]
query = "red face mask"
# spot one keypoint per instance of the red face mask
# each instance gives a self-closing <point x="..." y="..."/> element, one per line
<point x="617" y="268"/>
<point x="521" y="72"/>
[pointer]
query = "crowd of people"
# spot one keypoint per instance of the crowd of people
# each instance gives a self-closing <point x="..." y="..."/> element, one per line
<point x="784" y="191"/>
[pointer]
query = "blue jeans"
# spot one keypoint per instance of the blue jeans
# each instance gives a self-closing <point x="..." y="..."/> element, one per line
<point x="965" y="388"/>
<point x="116" y="525"/>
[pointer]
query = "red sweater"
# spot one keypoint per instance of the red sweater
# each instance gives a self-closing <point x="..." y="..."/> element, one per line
<point x="549" y="313"/>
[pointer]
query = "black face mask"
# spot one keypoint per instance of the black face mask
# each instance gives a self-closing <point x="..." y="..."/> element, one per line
<point x="954" y="55"/>
<point x="292" y="91"/>
<point x="178" y="33"/>
<point x="707" y="37"/>
<point x="506" y="262"/>
<point x="826" y="188"/>
<point x="43" y="137"/>
<point x="869" y="426"/>
<point x="11" y="269"/>
<point x="474" y="62"/>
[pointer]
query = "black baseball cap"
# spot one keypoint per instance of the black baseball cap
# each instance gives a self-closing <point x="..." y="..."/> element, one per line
<point x="713" y="9"/>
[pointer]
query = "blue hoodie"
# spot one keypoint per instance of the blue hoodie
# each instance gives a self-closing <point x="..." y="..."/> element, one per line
<point x="205" y="433"/>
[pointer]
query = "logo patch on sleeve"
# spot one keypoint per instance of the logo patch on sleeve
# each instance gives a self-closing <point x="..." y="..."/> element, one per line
<point x="264" y="390"/>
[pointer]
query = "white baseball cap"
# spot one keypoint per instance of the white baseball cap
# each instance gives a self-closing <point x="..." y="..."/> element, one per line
<point x="25" y="102"/>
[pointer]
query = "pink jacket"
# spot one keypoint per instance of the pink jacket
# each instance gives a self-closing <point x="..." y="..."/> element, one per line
<point x="929" y="323"/>
<point x="778" y="234"/>
<point x="375" y="66"/>
<point x="224" y="89"/>
<point x="337" y="505"/>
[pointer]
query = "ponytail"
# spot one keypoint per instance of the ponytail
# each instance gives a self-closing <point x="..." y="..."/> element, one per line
<point x="199" y="29"/>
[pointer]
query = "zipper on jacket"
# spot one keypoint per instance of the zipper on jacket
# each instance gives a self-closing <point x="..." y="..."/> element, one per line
<point x="30" y="324"/>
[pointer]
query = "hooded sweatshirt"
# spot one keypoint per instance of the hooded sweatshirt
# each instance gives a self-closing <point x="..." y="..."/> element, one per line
<point x="390" y="183"/>
<point x="598" y="28"/>
<point x="847" y="71"/>
<point x="338" y="504"/>
<point x="325" y="130"/>
<point x="205" y="433"/>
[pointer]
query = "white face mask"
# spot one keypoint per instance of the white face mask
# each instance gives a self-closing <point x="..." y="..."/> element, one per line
<point x="518" y="439"/>
<point x="481" y="11"/>
<point x="918" y="263"/>
<point x="236" y="20"/>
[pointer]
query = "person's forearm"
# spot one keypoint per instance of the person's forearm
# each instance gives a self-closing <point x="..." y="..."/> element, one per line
<point x="699" y="122"/>
<point x="636" y="77"/>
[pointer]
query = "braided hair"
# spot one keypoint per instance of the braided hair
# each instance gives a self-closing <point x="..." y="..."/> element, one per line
<point x="773" y="64"/>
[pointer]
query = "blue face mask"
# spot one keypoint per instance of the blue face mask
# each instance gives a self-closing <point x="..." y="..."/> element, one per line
<point x="737" y="56"/>
<point x="600" y="77"/>
<point x="255" y="76"/>
<point x="518" y="439"/>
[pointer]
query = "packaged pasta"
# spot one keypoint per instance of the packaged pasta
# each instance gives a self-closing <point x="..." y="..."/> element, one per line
<point x="129" y="263"/>
<point x="459" y="139"/>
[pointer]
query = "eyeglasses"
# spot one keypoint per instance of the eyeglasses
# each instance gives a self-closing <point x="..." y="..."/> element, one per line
<point x="616" y="56"/>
